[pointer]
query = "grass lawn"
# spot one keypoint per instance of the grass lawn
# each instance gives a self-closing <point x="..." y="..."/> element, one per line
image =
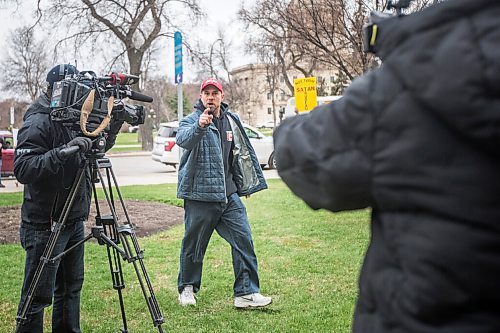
<point x="126" y="142"/>
<point x="266" y="131"/>
<point x="308" y="262"/>
<point x="127" y="139"/>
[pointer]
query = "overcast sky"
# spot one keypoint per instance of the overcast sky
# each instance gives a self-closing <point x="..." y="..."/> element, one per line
<point x="220" y="13"/>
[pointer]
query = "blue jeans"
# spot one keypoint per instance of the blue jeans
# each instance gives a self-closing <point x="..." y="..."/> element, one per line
<point x="60" y="280"/>
<point x="231" y="223"/>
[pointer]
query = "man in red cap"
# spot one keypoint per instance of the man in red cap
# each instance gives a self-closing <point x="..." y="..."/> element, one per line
<point x="218" y="166"/>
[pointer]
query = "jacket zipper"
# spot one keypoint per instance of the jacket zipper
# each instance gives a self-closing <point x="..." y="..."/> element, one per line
<point x="222" y="158"/>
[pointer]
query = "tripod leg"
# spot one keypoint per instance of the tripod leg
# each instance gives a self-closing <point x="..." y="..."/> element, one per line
<point x="115" y="268"/>
<point x="136" y="256"/>
<point x="49" y="249"/>
<point x="133" y="252"/>
<point x="106" y="233"/>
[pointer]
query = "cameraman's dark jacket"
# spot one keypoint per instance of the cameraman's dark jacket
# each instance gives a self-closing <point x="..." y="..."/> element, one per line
<point x="418" y="141"/>
<point x="46" y="176"/>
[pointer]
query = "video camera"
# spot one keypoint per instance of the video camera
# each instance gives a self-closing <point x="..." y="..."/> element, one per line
<point x="89" y="101"/>
<point x="373" y="29"/>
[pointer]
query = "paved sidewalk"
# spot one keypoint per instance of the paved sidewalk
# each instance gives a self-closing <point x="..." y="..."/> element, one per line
<point x="11" y="185"/>
<point x="132" y="168"/>
<point x="132" y="153"/>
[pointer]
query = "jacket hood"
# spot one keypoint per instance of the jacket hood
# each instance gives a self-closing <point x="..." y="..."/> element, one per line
<point x="447" y="56"/>
<point x="41" y="105"/>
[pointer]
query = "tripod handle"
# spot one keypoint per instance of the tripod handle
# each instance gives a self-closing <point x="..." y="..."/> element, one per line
<point x="66" y="152"/>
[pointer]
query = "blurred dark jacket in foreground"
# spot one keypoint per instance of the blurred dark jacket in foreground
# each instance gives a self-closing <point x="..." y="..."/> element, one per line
<point x="418" y="141"/>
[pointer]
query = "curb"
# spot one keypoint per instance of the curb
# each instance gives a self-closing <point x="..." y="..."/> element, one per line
<point x="134" y="153"/>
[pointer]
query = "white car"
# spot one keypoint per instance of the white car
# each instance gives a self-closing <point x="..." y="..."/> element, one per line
<point x="133" y="129"/>
<point x="166" y="151"/>
<point x="268" y="124"/>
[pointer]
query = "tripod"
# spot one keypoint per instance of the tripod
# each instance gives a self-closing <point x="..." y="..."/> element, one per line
<point x="120" y="240"/>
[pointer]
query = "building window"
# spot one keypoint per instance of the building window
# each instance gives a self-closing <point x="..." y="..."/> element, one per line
<point x="332" y="79"/>
<point x="269" y="111"/>
<point x="282" y="79"/>
<point x="282" y="96"/>
<point x="320" y="79"/>
<point x="269" y="96"/>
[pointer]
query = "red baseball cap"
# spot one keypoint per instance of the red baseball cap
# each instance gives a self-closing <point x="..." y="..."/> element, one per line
<point x="211" y="82"/>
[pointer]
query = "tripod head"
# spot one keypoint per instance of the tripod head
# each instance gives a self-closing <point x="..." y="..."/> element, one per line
<point x="97" y="148"/>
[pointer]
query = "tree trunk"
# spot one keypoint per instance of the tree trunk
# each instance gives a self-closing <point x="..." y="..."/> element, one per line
<point x="146" y="130"/>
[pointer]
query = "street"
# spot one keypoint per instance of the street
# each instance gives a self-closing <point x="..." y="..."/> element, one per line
<point x="142" y="170"/>
<point x="132" y="169"/>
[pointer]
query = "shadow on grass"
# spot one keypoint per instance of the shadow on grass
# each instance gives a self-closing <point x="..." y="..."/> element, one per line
<point x="263" y="310"/>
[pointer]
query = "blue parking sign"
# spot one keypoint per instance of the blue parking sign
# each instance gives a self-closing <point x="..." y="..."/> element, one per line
<point x="178" y="56"/>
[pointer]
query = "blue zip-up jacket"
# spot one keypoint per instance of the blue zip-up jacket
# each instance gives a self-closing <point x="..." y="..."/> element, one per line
<point x="201" y="169"/>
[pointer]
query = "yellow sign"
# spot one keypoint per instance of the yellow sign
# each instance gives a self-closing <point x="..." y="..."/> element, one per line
<point x="305" y="94"/>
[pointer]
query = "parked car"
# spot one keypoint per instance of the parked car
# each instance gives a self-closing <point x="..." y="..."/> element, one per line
<point x="263" y="146"/>
<point x="133" y="129"/>
<point x="291" y="108"/>
<point x="166" y="151"/>
<point x="267" y="124"/>
<point x="7" y="154"/>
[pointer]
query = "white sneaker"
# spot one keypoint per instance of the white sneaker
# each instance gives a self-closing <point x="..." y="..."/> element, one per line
<point x="255" y="300"/>
<point x="186" y="297"/>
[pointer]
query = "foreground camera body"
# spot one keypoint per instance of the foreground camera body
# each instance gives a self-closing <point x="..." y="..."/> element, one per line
<point x="99" y="97"/>
<point x="373" y="29"/>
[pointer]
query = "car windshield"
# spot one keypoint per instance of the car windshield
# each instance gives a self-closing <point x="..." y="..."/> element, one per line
<point x="167" y="132"/>
<point x="251" y="134"/>
<point x="8" y="142"/>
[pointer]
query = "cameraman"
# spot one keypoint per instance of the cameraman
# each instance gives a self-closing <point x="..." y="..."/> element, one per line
<point x="417" y="141"/>
<point x="45" y="165"/>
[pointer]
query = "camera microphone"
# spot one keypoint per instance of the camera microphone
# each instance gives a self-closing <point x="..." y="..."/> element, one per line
<point x="87" y="75"/>
<point x="124" y="79"/>
<point x="136" y="96"/>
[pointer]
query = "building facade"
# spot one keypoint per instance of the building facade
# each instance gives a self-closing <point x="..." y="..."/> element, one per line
<point x="261" y="94"/>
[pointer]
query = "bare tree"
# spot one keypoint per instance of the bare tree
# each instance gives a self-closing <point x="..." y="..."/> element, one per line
<point x="269" y="56"/>
<point x="25" y="65"/>
<point x="273" y="33"/>
<point x="129" y="26"/>
<point x="160" y="89"/>
<point x="214" y="60"/>
<point x="326" y="32"/>
<point x="313" y="33"/>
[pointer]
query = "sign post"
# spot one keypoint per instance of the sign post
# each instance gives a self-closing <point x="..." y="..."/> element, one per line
<point x="12" y="116"/>
<point x="178" y="72"/>
<point x="305" y="94"/>
<point x="178" y="77"/>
